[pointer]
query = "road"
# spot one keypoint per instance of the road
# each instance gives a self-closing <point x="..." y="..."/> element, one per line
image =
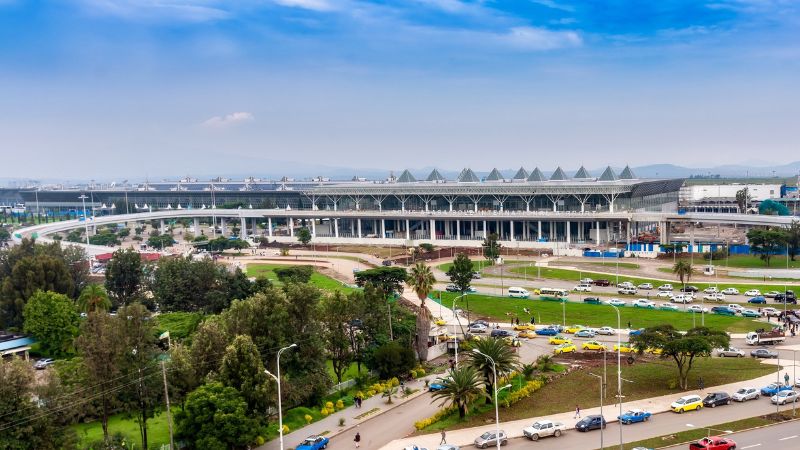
<point x="778" y="437"/>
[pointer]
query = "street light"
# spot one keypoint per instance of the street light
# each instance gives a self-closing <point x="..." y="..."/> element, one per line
<point x="83" y="198"/>
<point x="458" y="320"/>
<point x="601" y="407"/>
<point x="619" y="369"/>
<point x="496" y="408"/>
<point x="278" y="381"/>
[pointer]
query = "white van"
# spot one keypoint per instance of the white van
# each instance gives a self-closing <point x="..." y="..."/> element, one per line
<point x="518" y="292"/>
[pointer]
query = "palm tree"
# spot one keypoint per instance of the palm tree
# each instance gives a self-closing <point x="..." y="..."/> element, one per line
<point x="421" y="280"/>
<point x="94" y="298"/>
<point x="460" y="388"/>
<point x="505" y="360"/>
<point x="683" y="269"/>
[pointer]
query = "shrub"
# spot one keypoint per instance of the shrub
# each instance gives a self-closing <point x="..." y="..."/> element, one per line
<point x="324" y="412"/>
<point x="441" y="414"/>
<point x="392" y="359"/>
<point x="413" y="373"/>
<point x="285" y="429"/>
<point x="308" y="418"/>
<point x="394" y="382"/>
<point x="329" y="405"/>
<point x="341" y="421"/>
<point x="339" y="404"/>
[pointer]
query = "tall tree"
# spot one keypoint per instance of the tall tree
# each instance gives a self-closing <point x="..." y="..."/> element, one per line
<point x="100" y="347"/>
<point x="304" y="235"/>
<point x="24" y="424"/>
<point x="388" y="279"/>
<point x="766" y="243"/>
<point x="28" y="275"/>
<point x="742" y="200"/>
<point x="51" y="318"/>
<point x="683" y="269"/>
<point x="792" y="236"/>
<point x="93" y="298"/>
<point x="208" y="345"/>
<point x="181" y="373"/>
<point x="491" y="247"/>
<point x="421" y="279"/>
<point x="338" y="315"/>
<point x="124" y="276"/>
<point x="78" y="265"/>
<point x="504" y="357"/>
<point x="243" y="370"/>
<point x="294" y="274"/>
<point x="461" y="272"/>
<point x="682" y="348"/>
<point x="215" y="417"/>
<point x="460" y="388"/>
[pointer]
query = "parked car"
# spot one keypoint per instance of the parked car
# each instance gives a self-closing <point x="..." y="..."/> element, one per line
<point x="668" y="307"/>
<point x="627" y="291"/>
<point x="313" y="443"/>
<point x="736" y="307"/>
<point x="447" y="447"/>
<point x="524" y="327"/>
<point x="682" y="298"/>
<point x="665" y="287"/>
<point x="43" y="363"/>
<point x="435" y="386"/>
<point x="635" y="332"/>
<point x="643" y="303"/>
<point x="573" y="329"/>
<point x="786" y="298"/>
<point x="645" y="286"/>
<point x="607" y="331"/>
<point x="586" y="280"/>
<point x="624" y="347"/>
<point x="690" y="288"/>
<point x="773" y="388"/>
<point x="476" y="275"/>
<point x="490" y="438"/>
<point x="687" y="403"/>
<point x="697" y="309"/>
<point x="565" y="348"/>
<point x="745" y="394"/>
<point x="615" y="302"/>
<point x="547" y="331"/>
<point x="750" y="313"/>
<point x="713" y="443"/>
<point x="752" y="293"/>
<point x="602" y="283"/>
<point x="585" y="333"/>
<point x="711" y="290"/>
<point x="715" y="297"/>
<point x="634" y="416"/>
<point x="730" y="352"/>
<point x="593" y="345"/>
<point x="730" y="291"/>
<point x="592" y="300"/>
<point x="763" y="353"/>
<point x="665" y="294"/>
<point x="386" y="262"/>
<point x="758" y="300"/>
<point x="723" y="310"/>
<point x="715" y="399"/>
<point x="771" y="294"/>
<point x="589" y="423"/>
<point x="543" y="428"/>
<point x="784" y="397"/>
<point x="583" y="288"/>
<point x="478" y="328"/>
<point x="770" y="311"/>
<point x="558" y="340"/>
<point x="527" y="334"/>
<point x="501" y="333"/>
<point x="518" y="292"/>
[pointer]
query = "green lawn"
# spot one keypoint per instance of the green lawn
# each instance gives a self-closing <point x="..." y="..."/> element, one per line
<point x="753" y="261"/>
<point x="651" y="378"/>
<point x="157" y="430"/>
<point x="179" y="324"/>
<point x="319" y="280"/>
<point x="477" y="264"/>
<point x="613" y="264"/>
<point x="495" y="308"/>
<point x="348" y="374"/>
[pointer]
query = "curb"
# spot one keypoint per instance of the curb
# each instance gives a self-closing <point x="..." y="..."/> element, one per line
<point x="737" y="431"/>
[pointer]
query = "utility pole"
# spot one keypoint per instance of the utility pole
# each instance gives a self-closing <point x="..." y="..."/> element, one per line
<point x="166" y="397"/>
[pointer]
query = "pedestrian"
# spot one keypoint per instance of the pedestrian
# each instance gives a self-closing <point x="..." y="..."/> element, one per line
<point x="357" y="440"/>
<point x="533" y="321"/>
<point x="444" y="440"/>
<point x="700" y="383"/>
<point x="577" y="412"/>
<point x="629" y="324"/>
<point x="786" y="377"/>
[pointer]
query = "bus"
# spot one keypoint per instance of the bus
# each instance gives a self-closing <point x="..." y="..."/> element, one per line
<point x="553" y="294"/>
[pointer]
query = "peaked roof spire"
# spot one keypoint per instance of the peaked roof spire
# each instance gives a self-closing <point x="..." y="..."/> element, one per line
<point x="558" y="175"/>
<point x="468" y="176"/>
<point x="435" y="176"/>
<point x="406" y="177"/>
<point x="536" y="175"/>
<point x="627" y="174"/>
<point x="521" y="174"/>
<point x="582" y="173"/>
<point x="608" y="175"/>
<point x="495" y="175"/>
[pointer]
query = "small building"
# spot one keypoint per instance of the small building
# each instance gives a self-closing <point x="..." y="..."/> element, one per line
<point x="12" y="344"/>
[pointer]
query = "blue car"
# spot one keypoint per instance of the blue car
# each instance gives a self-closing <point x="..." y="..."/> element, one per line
<point x="773" y="388"/>
<point x="435" y="386"/>
<point x="759" y="299"/>
<point x="547" y="332"/>
<point x="585" y="333"/>
<point x="634" y="416"/>
<point x="636" y="332"/>
<point x="313" y="443"/>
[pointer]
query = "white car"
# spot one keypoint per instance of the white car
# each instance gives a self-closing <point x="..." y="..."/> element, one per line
<point x="646" y="286"/>
<point x="627" y="290"/>
<point x="587" y="281"/>
<point x="608" y="331"/>
<point x="665" y="287"/>
<point x="752" y="293"/>
<point x="730" y="352"/>
<point x="744" y="394"/>
<point x="682" y="298"/>
<point x="730" y="291"/>
<point x="543" y="428"/>
<point x="478" y="328"/>
<point x="784" y="397"/>
<point x="626" y="284"/>
<point x="615" y="302"/>
<point x="736" y="307"/>
<point x="583" y="288"/>
<point x="643" y="303"/>
<point x="696" y="309"/>
<point x="664" y="294"/>
<point x="669" y="306"/>
<point x="711" y="290"/>
<point x="770" y="311"/>
<point x="715" y="297"/>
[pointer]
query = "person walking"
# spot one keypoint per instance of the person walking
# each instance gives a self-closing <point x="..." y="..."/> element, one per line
<point x="577" y="412"/>
<point x="701" y="384"/>
<point x="786" y="378"/>
<point x="357" y="440"/>
<point x="444" y="438"/>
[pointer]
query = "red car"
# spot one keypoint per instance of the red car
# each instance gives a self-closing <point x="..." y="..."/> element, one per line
<point x="713" y="443"/>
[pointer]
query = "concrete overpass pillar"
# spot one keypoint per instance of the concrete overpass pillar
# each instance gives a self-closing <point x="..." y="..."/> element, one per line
<point x="383" y="228"/>
<point x="608" y="231"/>
<point x="290" y="224"/>
<point x="314" y="227"/>
<point x="269" y="226"/>
<point x="162" y="228"/>
<point x="552" y="231"/>
<point x="359" y="227"/>
<point x="539" y="231"/>
<point x="243" y="231"/>
<point x="408" y="230"/>
<point x="511" y="230"/>
<point x="433" y="229"/>
<point x="485" y="233"/>
<point x="197" y="226"/>
<point x="597" y="229"/>
<point x="568" y="231"/>
<point x="458" y="230"/>
<point x="336" y="227"/>
<point x="223" y="226"/>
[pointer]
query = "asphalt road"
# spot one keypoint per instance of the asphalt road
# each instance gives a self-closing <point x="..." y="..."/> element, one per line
<point x="777" y="437"/>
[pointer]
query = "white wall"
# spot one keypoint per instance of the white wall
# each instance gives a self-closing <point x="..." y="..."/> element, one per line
<point x="757" y="192"/>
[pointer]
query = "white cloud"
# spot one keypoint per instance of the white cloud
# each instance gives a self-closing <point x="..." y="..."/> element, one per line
<point x="313" y="5"/>
<point x="553" y="5"/>
<point x="229" y="120"/>
<point x="183" y="10"/>
<point x="532" y="38"/>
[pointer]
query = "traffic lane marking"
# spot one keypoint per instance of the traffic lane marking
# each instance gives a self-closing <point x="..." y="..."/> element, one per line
<point x="787" y="438"/>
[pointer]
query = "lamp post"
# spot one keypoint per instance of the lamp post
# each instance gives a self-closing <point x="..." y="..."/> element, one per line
<point x="83" y="198"/>
<point x="619" y="369"/>
<point x="458" y="320"/>
<point x="278" y="381"/>
<point x="496" y="407"/>
<point x="601" y="407"/>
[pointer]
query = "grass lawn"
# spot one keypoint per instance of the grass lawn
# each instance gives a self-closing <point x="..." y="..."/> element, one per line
<point x="179" y="324"/>
<point x="478" y="264"/>
<point x="319" y="280"/>
<point x="650" y="379"/>
<point x="753" y="261"/>
<point x="348" y="374"/>
<point x="496" y="308"/>
<point x="157" y="430"/>
<point x="613" y="263"/>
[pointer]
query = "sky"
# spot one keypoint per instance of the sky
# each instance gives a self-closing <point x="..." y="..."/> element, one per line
<point x="135" y="88"/>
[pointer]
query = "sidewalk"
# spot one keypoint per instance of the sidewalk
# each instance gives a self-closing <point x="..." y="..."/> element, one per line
<point x="466" y="436"/>
<point x="329" y="426"/>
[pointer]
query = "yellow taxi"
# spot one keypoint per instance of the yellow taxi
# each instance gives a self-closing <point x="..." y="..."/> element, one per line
<point x="653" y="350"/>
<point x="441" y="322"/>
<point x="687" y="403"/>
<point x="569" y="347"/>
<point x="574" y="329"/>
<point x="624" y="348"/>
<point x="524" y="327"/>
<point x="558" y="340"/>
<point x="593" y="345"/>
<point x="526" y="334"/>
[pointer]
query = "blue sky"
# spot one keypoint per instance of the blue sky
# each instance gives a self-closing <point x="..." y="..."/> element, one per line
<point x="157" y="87"/>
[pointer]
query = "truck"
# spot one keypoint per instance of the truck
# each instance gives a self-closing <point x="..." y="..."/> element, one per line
<point x="762" y="336"/>
<point x="543" y="428"/>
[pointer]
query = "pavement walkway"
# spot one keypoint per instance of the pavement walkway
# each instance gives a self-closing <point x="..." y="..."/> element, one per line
<point x="514" y="428"/>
